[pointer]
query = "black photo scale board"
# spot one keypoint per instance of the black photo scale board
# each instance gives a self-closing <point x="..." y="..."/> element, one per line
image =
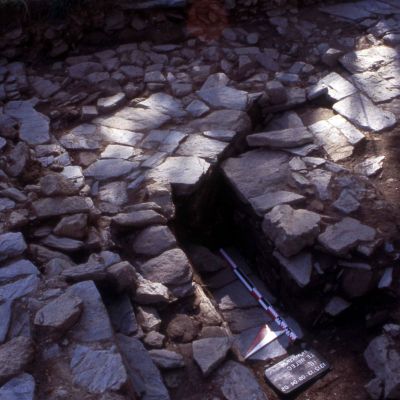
<point x="295" y="371"/>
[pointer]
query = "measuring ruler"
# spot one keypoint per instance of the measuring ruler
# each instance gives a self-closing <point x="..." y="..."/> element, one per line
<point x="266" y="335"/>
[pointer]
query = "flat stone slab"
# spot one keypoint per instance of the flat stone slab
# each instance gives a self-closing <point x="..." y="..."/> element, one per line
<point x="165" y="104"/>
<point x="139" y="219"/>
<point x="154" y="240"/>
<point x="258" y="182"/>
<point x="56" y="206"/>
<point x="332" y="140"/>
<point x="98" y="370"/>
<point x="200" y="146"/>
<point x="340" y="238"/>
<point x="110" y="168"/>
<point x="369" y="59"/>
<point x="359" y="110"/>
<point x="134" y="119"/>
<point x="19" y="288"/>
<point x="143" y="374"/>
<point x="18" y="268"/>
<point x="336" y="87"/>
<point x="241" y="319"/>
<point x="34" y="126"/>
<point x="269" y="200"/>
<point x="224" y="97"/>
<point x="291" y="230"/>
<point x="183" y="173"/>
<point x="292" y="137"/>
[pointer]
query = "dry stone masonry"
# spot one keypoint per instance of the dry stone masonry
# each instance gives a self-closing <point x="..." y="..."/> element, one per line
<point x="99" y="152"/>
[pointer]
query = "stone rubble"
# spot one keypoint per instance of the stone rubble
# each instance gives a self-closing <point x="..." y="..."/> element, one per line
<point x="92" y="276"/>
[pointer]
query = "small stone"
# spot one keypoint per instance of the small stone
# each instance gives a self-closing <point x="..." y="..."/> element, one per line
<point x="148" y="318"/>
<point x="108" y="169"/>
<point x="15" y="356"/>
<point x="197" y="108"/>
<point x="154" y="340"/>
<point x="370" y="167"/>
<point x="56" y="184"/>
<point x="331" y="57"/>
<point x="148" y="292"/>
<point x="276" y="92"/>
<point x="167" y="359"/>
<point x="59" y="315"/>
<point x="209" y="353"/>
<point x="139" y="219"/>
<point x="336" y="306"/>
<point x="73" y="226"/>
<point x="11" y="244"/>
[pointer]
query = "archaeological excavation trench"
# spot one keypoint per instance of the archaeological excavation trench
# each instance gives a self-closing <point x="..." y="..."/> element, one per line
<point x="137" y="141"/>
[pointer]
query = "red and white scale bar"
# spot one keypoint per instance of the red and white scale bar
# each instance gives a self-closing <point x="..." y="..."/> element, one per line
<point x="265" y="336"/>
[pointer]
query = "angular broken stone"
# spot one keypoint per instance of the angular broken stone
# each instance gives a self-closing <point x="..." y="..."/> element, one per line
<point x="334" y="85"/>
<point x="11" y="244"/>
<point x="139" y="219"/>
<point x="269" y="200"/>
<point x="336" y="306"/>
<point x="346" y="202"/>
<point x="122" y="315"/>
<point x="167" y="359"/>
<point x="170" y="268"/>
<point x="59" y="315"/>
<point x="359" y="110"/>
<point x="292" y="137"/>
<point x="98" y="370"/>
<point x="154" y="240"/>
<point x="183" y="173"/>
<point x="240" y="319"/>
<point x="298" y="267"/>
<point x="15" y="356"/>
<point x="291" y="230"/>
<point x="148" y="292"/>
<point x="209" y="353"/>
<point x="345" y="235"/>
<point x="371" y="166"/>
<point x="238" y="382"/>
